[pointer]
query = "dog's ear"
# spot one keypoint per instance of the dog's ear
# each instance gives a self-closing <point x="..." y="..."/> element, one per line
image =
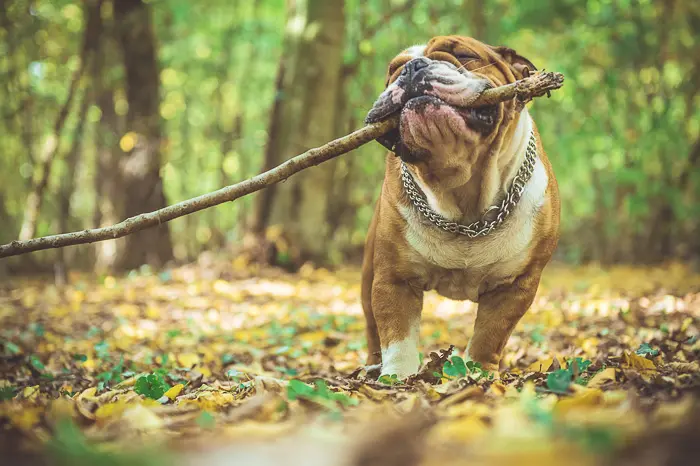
<point x="521" y="66"/>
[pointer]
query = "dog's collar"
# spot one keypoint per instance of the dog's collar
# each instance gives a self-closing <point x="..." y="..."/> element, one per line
<point x="498" y="212"/>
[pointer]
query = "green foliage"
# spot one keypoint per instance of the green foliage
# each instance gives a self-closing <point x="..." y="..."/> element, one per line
<point x="69" y="447"/>
<point x="646" y="350"/>
<point x="36" y="363"/>
<point x="7" y="393"/>
<point x="102" y="350"/>
<point x="319" y="393"/>
<point x="11" y="348"/>
<point x="206" y="420"/>
<point x="456" y="367"/>
<point x="111" y="376"/>
<point x="559" y="381"/>
<point x="595" y="438"/>
<point x="151" y="386"/>
<point x="387" y="379"/>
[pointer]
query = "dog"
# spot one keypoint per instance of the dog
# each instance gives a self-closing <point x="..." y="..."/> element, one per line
<point x="469" y="205"/>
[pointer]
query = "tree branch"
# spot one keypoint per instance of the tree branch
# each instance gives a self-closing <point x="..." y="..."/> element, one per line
<point x="533" y="86"/>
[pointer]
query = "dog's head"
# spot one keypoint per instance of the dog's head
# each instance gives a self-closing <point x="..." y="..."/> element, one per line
<point x="432" y="86"/>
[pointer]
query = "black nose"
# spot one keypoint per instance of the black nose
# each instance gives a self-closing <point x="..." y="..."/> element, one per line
<point x="415" y="65"/>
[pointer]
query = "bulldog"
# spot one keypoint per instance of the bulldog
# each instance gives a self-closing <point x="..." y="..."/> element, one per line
<point x="469" y="205"/>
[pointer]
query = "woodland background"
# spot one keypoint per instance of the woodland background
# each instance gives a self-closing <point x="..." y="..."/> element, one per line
<point x="112" y="108"/>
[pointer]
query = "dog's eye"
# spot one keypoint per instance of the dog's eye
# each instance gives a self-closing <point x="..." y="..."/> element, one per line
<point x="466" y="56"/>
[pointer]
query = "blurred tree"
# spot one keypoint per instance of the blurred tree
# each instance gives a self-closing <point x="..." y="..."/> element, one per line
<point x="51" y="144"/>
<point x="623" y="135"/>
<point x="309" y="77"/>
<point x="107" y="180"/>
<point x="142" y="186"/>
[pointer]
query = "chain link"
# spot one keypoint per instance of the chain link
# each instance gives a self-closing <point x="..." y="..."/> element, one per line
<point x="481" y="227"/>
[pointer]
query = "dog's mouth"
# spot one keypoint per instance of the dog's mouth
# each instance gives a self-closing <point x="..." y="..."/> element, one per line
<point x="479" y="119"/>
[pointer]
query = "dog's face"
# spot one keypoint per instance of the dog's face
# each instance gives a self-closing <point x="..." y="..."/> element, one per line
<point x="431" y="86"/>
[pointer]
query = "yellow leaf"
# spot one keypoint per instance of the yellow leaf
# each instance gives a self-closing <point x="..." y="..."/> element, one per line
<point x="540" y="366"/>
<point x="205" y="371"/>
<point x="686" y="323"/>
<point x="602" y="377"/>
<point x="61" y="408"/>
<point x="30" y="393"/>
<point x="110" y="410"/>
<point x="497" y="389"/>
<point x="26" y="418"/>
<point x="376" y="395"/>
<point x="153" y="312"/>
<point x="141" y="418"/>
<point x="462" y="430"/>
<point x="188" y="359"/>
<point x="89" y="364"/>
<point x="586" y="397"/>
<point x="174" y="391"/>
<point x="635" y="361"/>
<point x="88" y="394"/>
<point x="313" y="337"/>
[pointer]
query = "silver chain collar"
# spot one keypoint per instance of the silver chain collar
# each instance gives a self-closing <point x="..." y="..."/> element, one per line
<point x="481" y="227"/>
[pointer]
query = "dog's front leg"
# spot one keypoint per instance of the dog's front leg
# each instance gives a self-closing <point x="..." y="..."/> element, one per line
<point x="397" y="307"/>
<point x="499" y="312"/>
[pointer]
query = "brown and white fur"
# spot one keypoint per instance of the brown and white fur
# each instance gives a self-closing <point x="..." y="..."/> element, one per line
<point x="463" y="161"/>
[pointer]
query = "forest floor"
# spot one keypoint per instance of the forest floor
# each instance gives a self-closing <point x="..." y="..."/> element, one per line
<point x="221" y="363"/>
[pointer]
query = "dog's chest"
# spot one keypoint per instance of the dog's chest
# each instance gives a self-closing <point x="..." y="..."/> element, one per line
<point x="459" y="267"/>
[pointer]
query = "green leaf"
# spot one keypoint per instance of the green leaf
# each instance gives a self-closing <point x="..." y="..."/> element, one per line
<point x="7" y="393"/>
<point x="102" y="350"/>
<point x="36" y="363"/>
<point x="206" y="420"/>
<point x="151" y="386"/>
<point x="646" y="350"/>
<point x="455" y="367"/>
<point x="227" y="359"/>
<point x="233" y="374"/>
<point x="297" y="388"/>
<point x="37" y="329"/>
<point x="387" y="379"/>
<point x="11" y="347"/>
<point x="319" y="393"/>
<point x="559" y="381"/>
<point x="79" y="357"/>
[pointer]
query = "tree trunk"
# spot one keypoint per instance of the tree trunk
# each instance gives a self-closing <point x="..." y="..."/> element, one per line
<point x="475" y="10"/>
<point x="263" y="202"/>
<point x="140" y="166"/>
<point x="107" y="177"/>
<point x="308" y="113"/>
<point x="50" y="149"/>
<point x="67" y="188"/>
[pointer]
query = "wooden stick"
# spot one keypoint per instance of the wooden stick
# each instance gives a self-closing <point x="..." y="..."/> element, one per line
<point x="526" y="89"/>
<point x="533" y="86"/>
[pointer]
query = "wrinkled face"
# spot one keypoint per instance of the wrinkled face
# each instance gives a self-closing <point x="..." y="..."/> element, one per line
<point x="432" y="87"/>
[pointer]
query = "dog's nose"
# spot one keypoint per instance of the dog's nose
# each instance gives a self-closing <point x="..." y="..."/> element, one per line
<point x="415" y="65"/>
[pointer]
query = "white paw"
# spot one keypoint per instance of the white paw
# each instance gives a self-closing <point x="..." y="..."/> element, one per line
<point x="401" y="357"/>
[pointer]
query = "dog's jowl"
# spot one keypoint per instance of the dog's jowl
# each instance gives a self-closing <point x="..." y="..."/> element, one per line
<point x="469" y="206"/>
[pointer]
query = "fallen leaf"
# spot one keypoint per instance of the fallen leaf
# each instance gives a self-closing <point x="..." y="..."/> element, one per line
<point x="601" y="378"/>
<point x="634" y="361"/>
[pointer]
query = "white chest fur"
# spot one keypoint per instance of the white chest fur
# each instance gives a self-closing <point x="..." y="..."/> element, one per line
<point x="496" y="257"/>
